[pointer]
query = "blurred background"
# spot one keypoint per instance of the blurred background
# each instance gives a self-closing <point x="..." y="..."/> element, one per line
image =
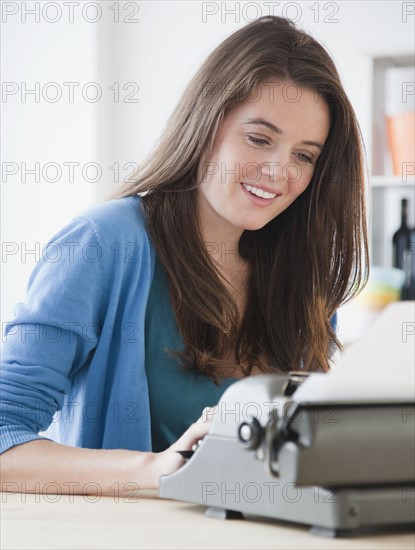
<point x="88" y="86"/>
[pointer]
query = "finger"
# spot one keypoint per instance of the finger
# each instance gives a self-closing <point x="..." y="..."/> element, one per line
<point x="191" y="436"/>
<point x="207" y="414"/>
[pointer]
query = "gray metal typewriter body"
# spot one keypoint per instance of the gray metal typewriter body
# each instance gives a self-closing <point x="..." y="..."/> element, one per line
<point x="337" y="467"/>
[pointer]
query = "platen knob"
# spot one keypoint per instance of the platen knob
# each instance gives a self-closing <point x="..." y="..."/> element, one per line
<point x="250" y="434"/>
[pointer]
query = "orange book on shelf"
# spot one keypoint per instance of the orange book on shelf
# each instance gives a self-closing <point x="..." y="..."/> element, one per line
<point x="401" y="139"/>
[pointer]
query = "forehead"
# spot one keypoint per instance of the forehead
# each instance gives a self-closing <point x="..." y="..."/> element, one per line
<point x="285" y="105"/>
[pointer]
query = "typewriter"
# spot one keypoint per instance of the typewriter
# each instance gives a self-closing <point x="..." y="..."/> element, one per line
<point x="326" y="450"/>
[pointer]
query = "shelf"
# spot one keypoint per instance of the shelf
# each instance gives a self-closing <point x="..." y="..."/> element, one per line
<point x="392" y="182"/>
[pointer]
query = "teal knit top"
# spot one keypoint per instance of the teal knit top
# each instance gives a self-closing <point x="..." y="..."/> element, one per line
<point x="177" y="395"/>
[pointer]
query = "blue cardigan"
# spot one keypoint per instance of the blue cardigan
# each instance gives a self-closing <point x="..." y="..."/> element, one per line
<point x="76" y="345"/>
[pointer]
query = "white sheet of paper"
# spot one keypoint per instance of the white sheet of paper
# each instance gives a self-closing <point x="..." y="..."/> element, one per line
<point x="380" y="367"/>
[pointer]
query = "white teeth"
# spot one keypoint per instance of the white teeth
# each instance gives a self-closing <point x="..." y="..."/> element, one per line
<point x="259" y="192"/>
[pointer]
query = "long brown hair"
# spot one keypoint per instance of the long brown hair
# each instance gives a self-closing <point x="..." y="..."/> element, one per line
<point x="305" y="262"/>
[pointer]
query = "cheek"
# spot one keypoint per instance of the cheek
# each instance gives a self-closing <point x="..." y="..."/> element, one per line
<point x="251" y="172"/>
<point x="226" y="166"/>
<point x="303" y="182"/>
<point x="297" y="188"/>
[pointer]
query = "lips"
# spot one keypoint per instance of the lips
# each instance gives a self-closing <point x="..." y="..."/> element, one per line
<point x="260" y="191"/>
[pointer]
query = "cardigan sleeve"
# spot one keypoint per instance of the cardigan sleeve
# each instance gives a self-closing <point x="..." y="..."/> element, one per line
<point x="54" y="332"/>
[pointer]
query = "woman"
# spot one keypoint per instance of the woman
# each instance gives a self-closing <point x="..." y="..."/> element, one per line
<point x="248" y="233"/>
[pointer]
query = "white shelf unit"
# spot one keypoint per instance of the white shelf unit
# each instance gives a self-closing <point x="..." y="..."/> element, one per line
<point x="386" y="190"/>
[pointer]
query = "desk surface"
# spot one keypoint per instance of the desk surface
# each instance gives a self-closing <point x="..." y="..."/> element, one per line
<point x="36" y="522"/>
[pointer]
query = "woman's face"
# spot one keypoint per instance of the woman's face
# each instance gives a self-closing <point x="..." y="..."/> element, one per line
<point x="263" y="157"/>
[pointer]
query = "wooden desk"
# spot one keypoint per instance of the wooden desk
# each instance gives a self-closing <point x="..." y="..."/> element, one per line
<point x="36" y="522"/>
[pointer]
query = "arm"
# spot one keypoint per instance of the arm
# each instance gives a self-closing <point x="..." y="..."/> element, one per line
<point x="37" y="372"/>
<point x="30" y="467"/>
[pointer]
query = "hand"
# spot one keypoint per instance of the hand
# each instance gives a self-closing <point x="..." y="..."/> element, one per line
<point x="169" y="461"/>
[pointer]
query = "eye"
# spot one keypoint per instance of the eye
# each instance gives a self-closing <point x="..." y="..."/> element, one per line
<point x="305" y="158"/>
<point x="258" y="141"/>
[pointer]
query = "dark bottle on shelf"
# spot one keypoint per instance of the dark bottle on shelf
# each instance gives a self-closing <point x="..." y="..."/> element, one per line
<point x="404" y="253"/>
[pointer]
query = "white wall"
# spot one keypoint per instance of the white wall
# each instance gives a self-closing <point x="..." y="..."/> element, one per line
<point x="38" y="130"/>
<point x="158" y="53"/>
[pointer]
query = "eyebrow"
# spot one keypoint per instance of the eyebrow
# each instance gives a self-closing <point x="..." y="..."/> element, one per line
<point x="277" y="130"/>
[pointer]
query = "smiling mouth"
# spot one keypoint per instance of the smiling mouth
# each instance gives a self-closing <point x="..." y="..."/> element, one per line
<point x="258" y="192"/>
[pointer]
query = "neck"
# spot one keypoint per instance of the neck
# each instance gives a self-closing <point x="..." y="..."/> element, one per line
<point x="223" y="250"/>
<point x="221" y="239"/>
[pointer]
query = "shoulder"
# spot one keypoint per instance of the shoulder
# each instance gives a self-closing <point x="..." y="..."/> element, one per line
<point x="119" y="220"/>
<point x="120" y="232"/>
<point x="102" y="240"/>
<point x="102" y="256"/>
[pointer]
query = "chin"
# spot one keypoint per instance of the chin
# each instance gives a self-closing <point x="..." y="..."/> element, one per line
<point x="252" y="225"/>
